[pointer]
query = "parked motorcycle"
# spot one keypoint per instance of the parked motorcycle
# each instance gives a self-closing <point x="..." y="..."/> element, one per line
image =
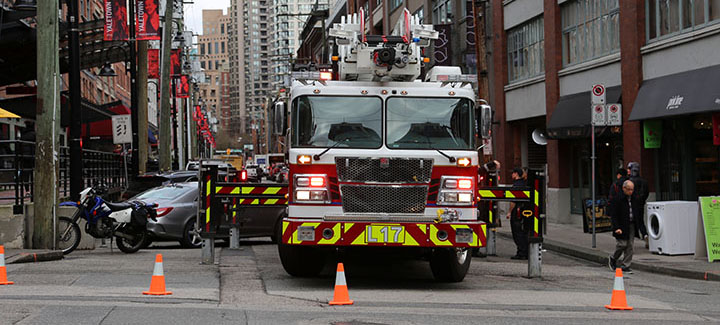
<point x="125" y="221"/>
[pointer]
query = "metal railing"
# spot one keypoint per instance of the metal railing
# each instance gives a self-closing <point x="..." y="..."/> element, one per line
<point x="17" y="162"/>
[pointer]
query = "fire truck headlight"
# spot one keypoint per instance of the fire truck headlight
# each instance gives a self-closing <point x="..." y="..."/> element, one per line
<point x="464" y="197"/>
<point x="451" y="183"/>
<point x="318" y="195"/>
<point x="464" y="235"/>
<point x="450" y="197"/>
<point x="302" y="195"/>
<point x="302" y="182"/>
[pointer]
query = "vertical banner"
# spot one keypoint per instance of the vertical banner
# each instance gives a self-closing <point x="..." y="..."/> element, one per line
<point x="442" y="51"/>
<point x="147" y="22"/>
<point x="182" y="87"/>
<point x="175" y="66"/>
<point x="153" y="64"/>
<point x="116" y="27"/>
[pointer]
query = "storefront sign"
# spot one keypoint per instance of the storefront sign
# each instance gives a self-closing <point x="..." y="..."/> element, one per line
<point x="710" y="232"/>
<point x="652" y="134"/>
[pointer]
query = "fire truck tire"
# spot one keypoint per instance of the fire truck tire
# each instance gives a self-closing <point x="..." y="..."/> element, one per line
<point x="450" y="264"/>
<point x="301" y="261"/>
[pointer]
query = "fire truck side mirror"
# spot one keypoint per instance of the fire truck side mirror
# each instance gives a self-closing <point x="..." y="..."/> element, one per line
<point x="485" y="116"/>
<point x="280" y="120"/>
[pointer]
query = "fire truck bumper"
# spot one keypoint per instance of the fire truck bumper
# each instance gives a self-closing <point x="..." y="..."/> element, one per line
<point x="404" y="234"/>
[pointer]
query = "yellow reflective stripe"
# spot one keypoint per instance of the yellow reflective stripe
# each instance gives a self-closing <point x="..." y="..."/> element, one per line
<point x="247" y="190"/>
<point x="422" y="228"/>
<point x="271" y="201"/>
<point x="508" y="194"/>
<point x="255" y="202"/>
<point x="360" y="240"/>
<point x="335" y="237"/>
<point x="348" y="226"/>
<point x="536" y="225"/>
<point x="207" y="209"/>
<point x="484" y="230"/>
<point x="537" y="199"/>
<point x="433" y="237"/>
<point x="285" y="225"/>
<point x="486" y="193"/>
<point x="235" y="190"/>
<point x="409" y="240"/>
<point x="527" y="193"/>
<point x="490" y="214"/>
<point x="272" y="190"/>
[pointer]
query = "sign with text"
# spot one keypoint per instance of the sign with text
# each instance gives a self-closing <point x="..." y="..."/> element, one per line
<point x="599" y="115"/>
<point x="614" y="114"/>
<point x="709" y="214"/>
<point x="147" y="23"/>
<point x="116" y="26"/>
<point x="122" y="129"/>
<point x="598" y="94"/>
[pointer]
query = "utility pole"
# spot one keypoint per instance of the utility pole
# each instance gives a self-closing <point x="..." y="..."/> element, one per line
<point x="48" y="124"/>
<point x="134" y="92"/>
<point x="164" y="121"/>
<point x="480" y="50"/>
<point x="142" y="108"/>
<point x="76" y="154"/>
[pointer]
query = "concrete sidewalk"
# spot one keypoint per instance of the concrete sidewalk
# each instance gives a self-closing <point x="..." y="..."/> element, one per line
<point x="570" y="240"/>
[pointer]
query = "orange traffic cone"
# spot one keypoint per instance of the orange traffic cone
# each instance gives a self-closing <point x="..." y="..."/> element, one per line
<point x="157" y="284"/>
<point x="342" y="297"/>
<point x="618" y="300"/>
<point x="3" y="271"/>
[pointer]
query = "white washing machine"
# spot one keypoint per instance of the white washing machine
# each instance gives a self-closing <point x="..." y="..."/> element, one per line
<point x="672" y="227"/>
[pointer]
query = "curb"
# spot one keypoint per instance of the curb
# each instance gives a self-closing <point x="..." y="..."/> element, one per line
<point x="35" y="257"/>
<point x="602" y="258"/>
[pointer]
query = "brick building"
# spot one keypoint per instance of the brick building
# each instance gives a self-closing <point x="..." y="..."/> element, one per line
<point x="655" y="57"/>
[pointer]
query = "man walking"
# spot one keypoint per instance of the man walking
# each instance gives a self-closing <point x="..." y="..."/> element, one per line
<point x="625" y="211"/>
<point x="519" y="232"/>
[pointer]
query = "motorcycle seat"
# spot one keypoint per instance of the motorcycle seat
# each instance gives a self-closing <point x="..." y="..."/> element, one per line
<point x="118" y="206"/>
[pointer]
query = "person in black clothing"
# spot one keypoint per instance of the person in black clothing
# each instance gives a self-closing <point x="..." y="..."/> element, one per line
<point x="625" y="213"/>
<point x="616" y="187"/>
<point x="642" y="192"/>
<point x="519" y="232"/>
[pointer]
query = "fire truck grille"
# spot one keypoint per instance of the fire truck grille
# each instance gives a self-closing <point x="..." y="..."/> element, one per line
<point x="391" y="170"/>
<point x="383" y="199"/>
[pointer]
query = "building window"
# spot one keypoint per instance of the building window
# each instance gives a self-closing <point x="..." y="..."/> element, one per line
<point x="671" y="17"/>
<point x="420" y="14"/>
<point x="525" y="46"/>
<point x="222" y="47"/>
<point x="395" y="3"/>
<point x="442" y="12"/>
<point x="591" y="29"/>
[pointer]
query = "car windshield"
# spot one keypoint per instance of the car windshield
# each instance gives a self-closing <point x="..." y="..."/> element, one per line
<point x="344" y="122"/>
<point x="429" y="123"/>
<point x="168" y="192"/>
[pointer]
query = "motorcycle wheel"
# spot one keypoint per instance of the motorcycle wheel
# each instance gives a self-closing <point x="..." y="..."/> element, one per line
<point x="131" y="246"/>
<point x="68" y="235"/>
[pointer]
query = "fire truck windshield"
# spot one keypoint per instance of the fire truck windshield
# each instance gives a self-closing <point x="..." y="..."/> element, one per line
<point x="429" y="123"/>
<point x="342" y="122"/>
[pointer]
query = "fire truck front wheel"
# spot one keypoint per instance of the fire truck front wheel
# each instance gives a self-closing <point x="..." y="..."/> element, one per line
<point x="450" y="264"/>
<point x="301" y="261"/>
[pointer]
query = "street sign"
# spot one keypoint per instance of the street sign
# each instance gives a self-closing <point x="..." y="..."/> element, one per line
<point x="122" y="129"/>
<point x="487" y="147"/>
<point x="598" y="94"/>
<point x="614" y="114"/>
<point x="599" y="115"/>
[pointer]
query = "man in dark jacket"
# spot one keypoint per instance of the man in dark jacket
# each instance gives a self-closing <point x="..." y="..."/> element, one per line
<point x="519" y="232"/>
<point x="625" y="213"/>
<point x="642" y="192"/>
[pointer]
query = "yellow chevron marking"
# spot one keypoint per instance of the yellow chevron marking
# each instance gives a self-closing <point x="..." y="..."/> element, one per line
<point x="285" y="225"/>
<point x="360" y="240"/>
<point x="484" y="230"/>
<point x="486" y="193"/>
<point x="240" y="201"/>
<point x="271" y="201"/>
<point x="422" y="228"/>
<point x="508" y="194"/>
<point x="536" y="225"/>
<point x="235" y="190"/>
<point x="247" y="190"/>
<point x="255" y="202"/>
<point x="409" y="240"/>
<point x="433" y="237"/>
<point x="348" y="226"/>
<point x="490" y="215"/>
<point x="335" y="237"/>
<point x="272" y="190"/>
<point x="537" y="199"/>
<point x="207" y="209"/>
<point x="207" y="215"/>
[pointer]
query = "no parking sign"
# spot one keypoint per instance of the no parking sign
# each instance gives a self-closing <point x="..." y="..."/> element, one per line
<point x="598" y="94"/>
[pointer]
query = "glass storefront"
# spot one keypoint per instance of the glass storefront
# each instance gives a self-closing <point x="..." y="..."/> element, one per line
<point x="609" y="153"/>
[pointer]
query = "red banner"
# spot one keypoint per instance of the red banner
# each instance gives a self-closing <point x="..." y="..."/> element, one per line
<point x="153" y="64"/>
<point x="147" y="22"/>
<point x="182" y="87"/>
<point x="175" y="66"/>
<point x="116" y="27"/>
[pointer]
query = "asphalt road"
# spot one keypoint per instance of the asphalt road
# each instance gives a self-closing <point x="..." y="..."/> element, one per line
<point x="249" y="286"/>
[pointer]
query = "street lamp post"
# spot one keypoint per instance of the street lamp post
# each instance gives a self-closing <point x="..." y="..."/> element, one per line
<point x="76" y="154"/>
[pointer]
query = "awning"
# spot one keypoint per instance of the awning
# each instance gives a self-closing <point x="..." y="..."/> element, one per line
<point x="7" y="114"/>
<point x="26" y="108"/>
<point x="688" y="92"/>
<point x="571" y="117"/>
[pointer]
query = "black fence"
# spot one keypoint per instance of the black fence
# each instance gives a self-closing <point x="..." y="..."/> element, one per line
<point x="17" y="161"/>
